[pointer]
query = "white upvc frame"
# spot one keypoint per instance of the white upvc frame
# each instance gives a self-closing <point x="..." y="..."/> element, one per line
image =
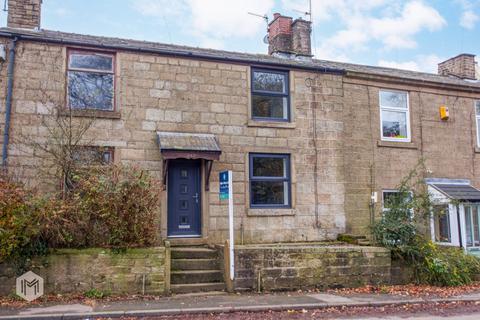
<point x="391" y="191"/>
<point x="477" y="118"/>
<point x="392" y="109"/>
<point x="464" y="225"/>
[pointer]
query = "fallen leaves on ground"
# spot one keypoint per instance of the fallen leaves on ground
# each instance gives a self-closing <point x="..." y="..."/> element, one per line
<point x="434" y="309"/>
<point x="411" y="290"/>
<point x="14" y="301"/>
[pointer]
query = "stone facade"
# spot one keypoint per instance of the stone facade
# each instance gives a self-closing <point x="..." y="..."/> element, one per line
<point x="337" y="156"/>
<point x="134" y="271"/>
<point x="185" y="95"/>
<point x="372" y="165"/>
<point x="288" y="267"/>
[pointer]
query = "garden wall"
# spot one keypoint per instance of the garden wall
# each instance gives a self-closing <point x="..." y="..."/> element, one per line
<point x="72" y="270"/>
<point x="284" y="267"/>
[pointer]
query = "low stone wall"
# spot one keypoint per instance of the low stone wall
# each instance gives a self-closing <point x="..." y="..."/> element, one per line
<point x="287" y="267"/>
<point x="71" y="270"/>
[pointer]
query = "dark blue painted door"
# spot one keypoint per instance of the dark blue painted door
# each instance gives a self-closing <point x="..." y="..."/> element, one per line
<point x="184" y="200"/>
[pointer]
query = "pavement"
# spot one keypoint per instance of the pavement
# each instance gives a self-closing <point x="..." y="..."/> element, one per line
<point x="216" y="303"/>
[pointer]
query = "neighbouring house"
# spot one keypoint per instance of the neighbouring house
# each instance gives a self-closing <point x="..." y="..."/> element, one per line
<point x="310" y="142"/>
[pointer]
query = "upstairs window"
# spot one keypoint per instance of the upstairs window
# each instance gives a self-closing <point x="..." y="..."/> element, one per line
<point x="477" y="119"/>
<point x="91" y="80"/>
<point x="270" y="95"/>
<point x="269" y="180"/>
<point x="394" y="116"/>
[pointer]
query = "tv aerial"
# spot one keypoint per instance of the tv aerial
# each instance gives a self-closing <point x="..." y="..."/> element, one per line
<point x="265" y="18"/>
<point x="306" y="13"/>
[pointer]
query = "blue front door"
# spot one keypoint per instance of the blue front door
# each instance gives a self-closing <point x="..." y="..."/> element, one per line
<point x="184" y="202"/>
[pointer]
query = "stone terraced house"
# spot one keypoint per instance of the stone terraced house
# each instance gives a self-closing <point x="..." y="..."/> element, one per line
<point x="315" y="146"/>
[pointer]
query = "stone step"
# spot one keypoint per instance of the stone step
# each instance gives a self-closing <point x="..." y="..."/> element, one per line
<point x="196" y="276"/>
<point x="193" y="253"/>
<point x="197" y="287"/>
<point x="194" y="264"/>
<point x="364" y="243"/>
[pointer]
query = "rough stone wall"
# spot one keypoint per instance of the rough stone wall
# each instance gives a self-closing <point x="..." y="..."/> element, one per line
<point x="156" y="93"/>
<point x="69" y="270"/>
<point x="24" y="14"/>
<point x="309" y="266"/>
<point x="462" y="66"/>
<point x="449" y="147"/>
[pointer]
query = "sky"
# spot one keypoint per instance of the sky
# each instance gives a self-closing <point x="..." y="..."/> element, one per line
<point x="408" y="34"/>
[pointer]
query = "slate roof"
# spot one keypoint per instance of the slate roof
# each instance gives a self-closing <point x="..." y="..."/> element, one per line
<point x="461" y="192"/>
<point x="184" y="51"/>
<point x="187" y="142"/>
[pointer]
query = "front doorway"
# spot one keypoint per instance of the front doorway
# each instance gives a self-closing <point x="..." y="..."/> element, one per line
<point x="184" y="198"/>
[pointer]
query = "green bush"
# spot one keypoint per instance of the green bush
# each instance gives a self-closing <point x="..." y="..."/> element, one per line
<point x="442" y="266"/>
<point x="111" y="206"/>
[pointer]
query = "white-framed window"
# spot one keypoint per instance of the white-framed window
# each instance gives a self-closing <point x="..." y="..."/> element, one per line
<point x="394" y="116"/>
<point x="388" y="196"/>
<point x="477" y="120"/>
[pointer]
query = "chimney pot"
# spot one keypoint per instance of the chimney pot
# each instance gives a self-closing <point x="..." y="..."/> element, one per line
<point x="462" y="66"/>
<point x="24" y="14"/>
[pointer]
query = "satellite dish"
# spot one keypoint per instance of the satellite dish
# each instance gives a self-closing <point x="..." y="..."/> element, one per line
<point x="265" y="39"/>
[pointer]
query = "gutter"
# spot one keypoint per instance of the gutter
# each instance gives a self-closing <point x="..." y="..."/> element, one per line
<point x="8" y="102"/>
<point x="172" y="53"/>
<point x="409" y="81"/>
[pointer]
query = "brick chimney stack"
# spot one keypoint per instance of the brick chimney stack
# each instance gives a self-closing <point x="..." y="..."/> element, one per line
<point x="462" y="66"/>
<point x="24" y="14"/>
<point x="288" y="38"/>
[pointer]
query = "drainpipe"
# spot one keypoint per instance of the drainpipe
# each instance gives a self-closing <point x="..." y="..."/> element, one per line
<point x="459" y="227"/>
<point x="8" y="102"/>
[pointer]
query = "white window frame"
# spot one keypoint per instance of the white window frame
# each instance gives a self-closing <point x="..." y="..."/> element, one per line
<point x="477" y="118"/>
<point x="450" y="229"/>
<point x="390" y="191"/>
<point x="406" y="111"/>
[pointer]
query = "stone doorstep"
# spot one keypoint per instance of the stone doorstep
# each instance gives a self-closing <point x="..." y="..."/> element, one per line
<point x="321" y="304"/>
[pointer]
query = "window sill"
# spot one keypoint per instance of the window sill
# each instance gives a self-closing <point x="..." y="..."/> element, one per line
<point x="477" y="149"/>
<point x="273" y="212"/>
<point x="271" y="124"/>
<point x="92" y="114"/>
<point x="395" y="144"/>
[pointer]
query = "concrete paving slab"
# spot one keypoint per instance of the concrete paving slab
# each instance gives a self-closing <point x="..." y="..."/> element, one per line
<point x="214" y="304"/>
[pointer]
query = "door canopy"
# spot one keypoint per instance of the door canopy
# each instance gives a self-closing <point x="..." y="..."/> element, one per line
<point x="179" y="145"/>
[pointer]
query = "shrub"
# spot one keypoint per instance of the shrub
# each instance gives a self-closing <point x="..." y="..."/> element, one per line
<point x="111" y="206"/>
<point x="442" y="266"/>
<point x="20" y="212"/>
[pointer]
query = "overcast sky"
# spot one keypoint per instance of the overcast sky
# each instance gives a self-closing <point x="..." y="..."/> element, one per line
<point x="411" y="34"/>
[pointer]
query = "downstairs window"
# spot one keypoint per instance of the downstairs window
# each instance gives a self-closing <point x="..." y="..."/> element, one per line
<point x="270" y="180"/>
